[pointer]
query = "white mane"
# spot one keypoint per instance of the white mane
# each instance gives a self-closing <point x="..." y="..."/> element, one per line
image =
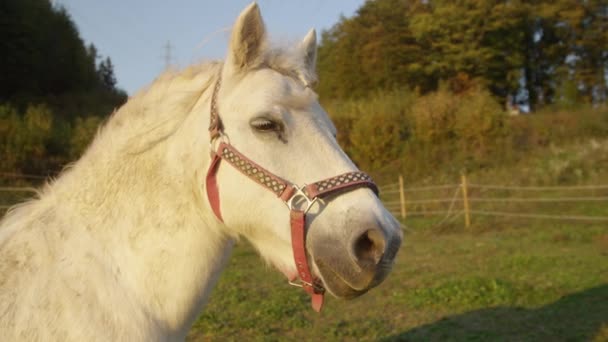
<point x="111" y="185"/>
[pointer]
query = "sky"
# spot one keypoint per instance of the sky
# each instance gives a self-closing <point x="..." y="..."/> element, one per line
<point x="134" y="33"/>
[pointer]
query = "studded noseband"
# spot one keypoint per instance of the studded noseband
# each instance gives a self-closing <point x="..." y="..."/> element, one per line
<point x="298" y="199"/>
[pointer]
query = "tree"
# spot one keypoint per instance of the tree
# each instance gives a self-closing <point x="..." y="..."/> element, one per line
<point x="373" y="50"/>
<point x="476" y="38"/>
<point x="523" y="50"/>
<point x="590" y="52"/>
<point x="44" y="60"/>
<point x="106" y="73"/>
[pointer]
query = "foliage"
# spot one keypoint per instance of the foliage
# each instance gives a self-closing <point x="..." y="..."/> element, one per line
<point x="106" y="73"/>
<point x="24" y="140"/>
<point x="43" y="58"/>
<point x="434" y="117"/>
<point x="421" y="132"/>
<point x="49" y="82"/>
<point x="41" y="51"/>
<point x="524" y="52"/>
<point x="9" y="127"/>
<point x="373" y="50"/>
<point x="481" y="125"/>
<point x="447" y="132"/>
<point x="372" y="131"/>
<point x="83" y="132"/>
<point x="35" y="142"/>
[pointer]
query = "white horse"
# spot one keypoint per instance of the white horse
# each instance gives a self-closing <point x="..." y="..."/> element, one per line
<point x="124" y="244"/>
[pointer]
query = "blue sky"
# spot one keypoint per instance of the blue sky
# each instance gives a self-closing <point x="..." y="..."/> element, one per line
<point x="133" y="33"/>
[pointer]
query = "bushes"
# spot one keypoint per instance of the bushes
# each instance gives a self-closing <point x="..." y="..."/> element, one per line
<point x="37" y="142"/>
<point x="82" y="134"/>
<point x="371" y="131"/>
<point x="375" y="140"/>
<point x="434" y="118"/>
<point x="421" y="133"/>
<point x="10" y="124"/>
<point x="23" y="142"/>
<point x="481" y="124"/>
<point x="443" y="133"/>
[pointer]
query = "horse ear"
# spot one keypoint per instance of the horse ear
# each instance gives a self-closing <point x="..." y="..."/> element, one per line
<point x="247" y="41"/>
<point x="309" y="48"/>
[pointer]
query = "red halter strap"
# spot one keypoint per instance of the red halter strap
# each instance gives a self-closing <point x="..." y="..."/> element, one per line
<point x="298" y="200"/>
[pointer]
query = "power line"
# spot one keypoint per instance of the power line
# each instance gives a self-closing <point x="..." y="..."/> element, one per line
<point x="168" y="56"/>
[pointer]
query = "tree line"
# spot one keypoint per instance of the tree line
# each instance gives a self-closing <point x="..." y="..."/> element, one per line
<point x="536" y="53"/>
<point x="54" y="89"/>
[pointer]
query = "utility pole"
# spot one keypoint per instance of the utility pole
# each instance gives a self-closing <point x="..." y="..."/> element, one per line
<point x="167" y="55"/>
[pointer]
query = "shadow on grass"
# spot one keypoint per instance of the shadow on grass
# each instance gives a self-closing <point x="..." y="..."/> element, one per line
<point x="576" y="317"/>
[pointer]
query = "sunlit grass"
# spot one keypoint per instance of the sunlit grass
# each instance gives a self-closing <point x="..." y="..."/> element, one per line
<point x="523" y="282"/>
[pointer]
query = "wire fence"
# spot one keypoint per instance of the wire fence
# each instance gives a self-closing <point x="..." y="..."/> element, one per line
<point x="586" y="203"/>
<point x="447" y="201"/>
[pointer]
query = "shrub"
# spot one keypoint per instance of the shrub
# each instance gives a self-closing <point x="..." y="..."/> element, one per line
<point x="371" y="131"/>
<point x="10" y="123"/>
<point x="480" y="125"/>
<point x="434" y="117"/>
<point x="83" y="133"/>
<point x="25" y="138"/>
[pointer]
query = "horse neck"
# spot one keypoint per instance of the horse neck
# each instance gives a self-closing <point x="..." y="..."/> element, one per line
<point x="147" y="210"/>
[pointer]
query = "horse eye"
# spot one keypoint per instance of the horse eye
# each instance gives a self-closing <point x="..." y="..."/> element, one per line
<point x="265" y="125"/>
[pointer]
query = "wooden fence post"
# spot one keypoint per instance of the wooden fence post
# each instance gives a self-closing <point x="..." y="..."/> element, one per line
<point x="465" y="198"/>
<point x="402" y="197"/>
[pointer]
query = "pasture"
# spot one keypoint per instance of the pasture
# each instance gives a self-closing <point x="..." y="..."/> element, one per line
<point x="505" y="281"/>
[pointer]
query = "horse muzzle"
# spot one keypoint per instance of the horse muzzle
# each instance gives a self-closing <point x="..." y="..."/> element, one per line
<point x="350" y="269"/>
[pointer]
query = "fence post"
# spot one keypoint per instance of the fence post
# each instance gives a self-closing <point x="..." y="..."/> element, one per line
<point x="465" y="199"/>
<point x="402" y="197"/>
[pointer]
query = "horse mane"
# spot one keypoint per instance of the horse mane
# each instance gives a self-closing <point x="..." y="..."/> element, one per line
<point x="156" y="112"/>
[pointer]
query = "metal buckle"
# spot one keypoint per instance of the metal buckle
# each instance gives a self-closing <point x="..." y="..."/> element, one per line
<point x="295" y="201"/>
<point x="222" y="137"/>
<point x="299" y="283"/>
<point x="317" y="288"/>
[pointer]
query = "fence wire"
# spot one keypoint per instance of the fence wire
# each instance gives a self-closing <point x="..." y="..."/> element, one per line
<point x="541" y="216"/>
<point x="539" y="188"/>
<point x="418" y="198"/>
<point x="424" y="201"/>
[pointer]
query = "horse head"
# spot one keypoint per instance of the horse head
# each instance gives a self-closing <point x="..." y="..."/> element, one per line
<point x="269" y="113"/>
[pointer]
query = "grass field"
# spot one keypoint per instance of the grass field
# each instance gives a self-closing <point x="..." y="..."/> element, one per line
<point x="501" y="280"/>
<point x="524" y="281"/>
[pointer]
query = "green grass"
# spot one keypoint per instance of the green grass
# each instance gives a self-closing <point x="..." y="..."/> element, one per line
<point x="527" y="281"/>
<point x="504" y="279"/>
<point x="501" y="280"/>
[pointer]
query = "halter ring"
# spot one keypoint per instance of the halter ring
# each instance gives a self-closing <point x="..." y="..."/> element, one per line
<point x="222" y="137"/>
<point x="300" y="201"/>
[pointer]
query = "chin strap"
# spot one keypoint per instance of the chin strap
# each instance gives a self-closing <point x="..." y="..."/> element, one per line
<point x="298" y="199"/>
<point x="298" y="242"/>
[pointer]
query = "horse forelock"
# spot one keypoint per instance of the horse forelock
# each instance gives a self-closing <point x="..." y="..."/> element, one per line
<point x="291" y="62"/>
<point x="159" y="108"/>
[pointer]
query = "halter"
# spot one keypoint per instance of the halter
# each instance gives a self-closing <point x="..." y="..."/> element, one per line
<point x="298" y="199"/>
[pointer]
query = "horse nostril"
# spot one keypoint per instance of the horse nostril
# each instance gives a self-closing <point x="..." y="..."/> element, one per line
<point x="369" y="247"/>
